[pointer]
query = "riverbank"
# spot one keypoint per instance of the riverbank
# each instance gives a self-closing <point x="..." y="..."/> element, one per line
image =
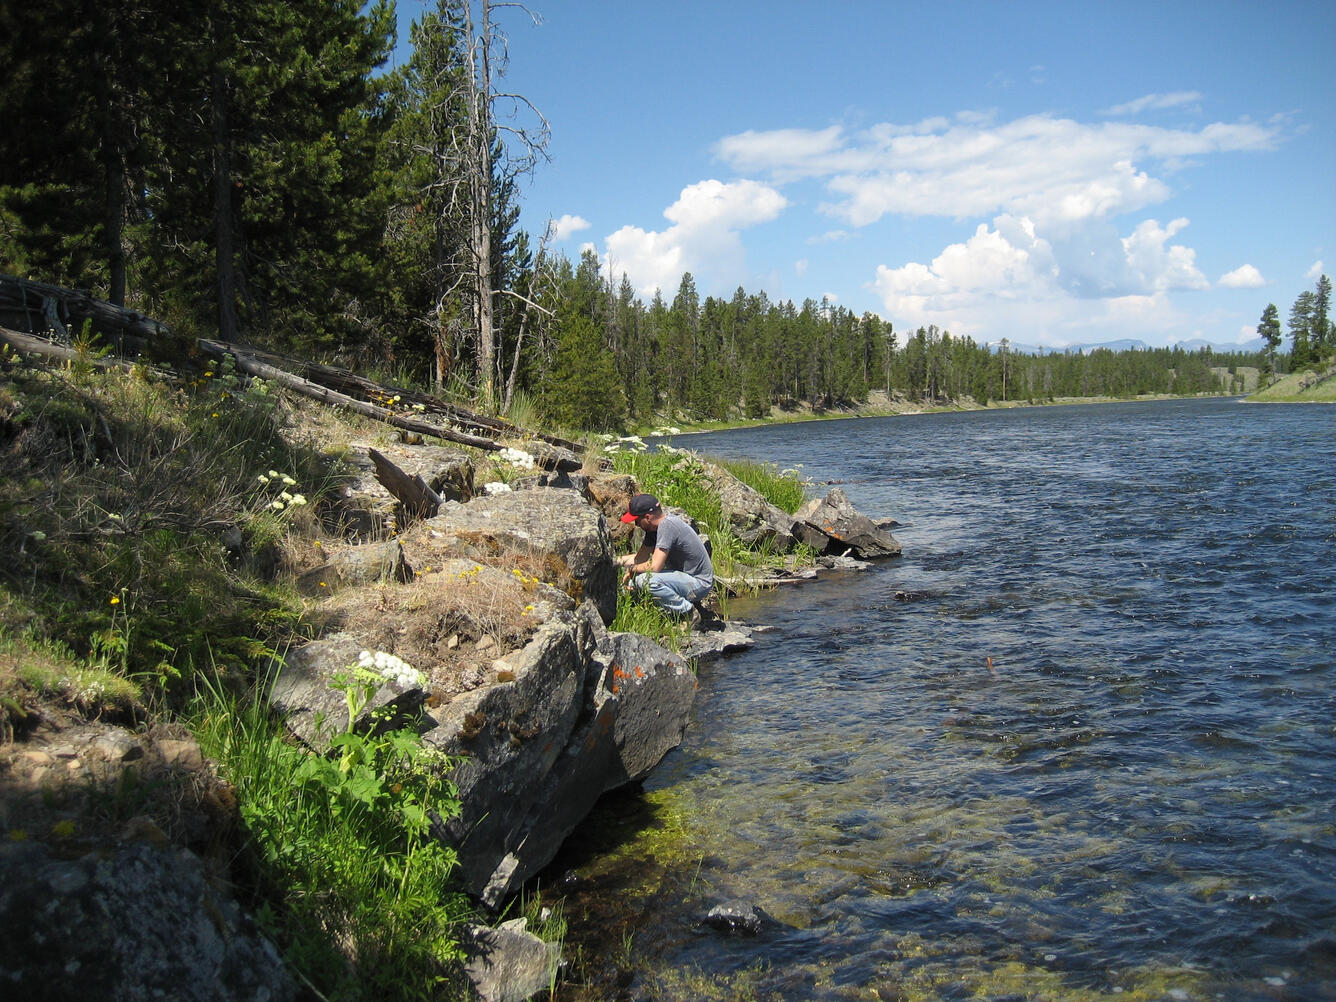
<point x="164" y="545"/>
<point x="1300" y="388"/>
<point x="881" y="405"/>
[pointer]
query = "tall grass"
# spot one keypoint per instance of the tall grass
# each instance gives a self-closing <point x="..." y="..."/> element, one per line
<point x="678" y="479"/>
<point x="344" y="871"/>
<point x="119" y="492"/>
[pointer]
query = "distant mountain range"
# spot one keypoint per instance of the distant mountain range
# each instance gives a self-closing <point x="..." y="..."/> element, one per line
<point x="1130" y="344"/>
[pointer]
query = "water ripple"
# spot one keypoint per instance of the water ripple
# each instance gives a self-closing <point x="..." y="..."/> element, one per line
<point x="1138" y="796"/>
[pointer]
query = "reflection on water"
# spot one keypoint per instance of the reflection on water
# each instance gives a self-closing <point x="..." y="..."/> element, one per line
<point x="1137" y="799"/>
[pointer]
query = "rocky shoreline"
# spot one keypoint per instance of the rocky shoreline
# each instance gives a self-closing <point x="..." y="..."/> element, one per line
<point x="543" y="708"/>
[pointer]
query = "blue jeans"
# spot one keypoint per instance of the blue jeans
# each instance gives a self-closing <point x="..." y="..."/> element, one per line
<point x="672" y="591"/>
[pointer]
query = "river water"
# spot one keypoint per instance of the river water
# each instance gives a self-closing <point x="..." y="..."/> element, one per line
<point x="1135" y="800"/>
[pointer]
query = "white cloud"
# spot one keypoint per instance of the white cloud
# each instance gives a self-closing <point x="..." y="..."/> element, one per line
<point x="1245" y="276"/>
<point x="567" y="225"/>
<point x="800" y="266"/>
<point x="1156" y="102"/>
<point x="800" y="149"/>
<point x="991" y="266"/>
<point x="706" y="218"/>
<point x="1160" y="267"/>
<point x="1009" y="280"/>
<point x="1040" y="166"/>
<point x="1314" y="272"/>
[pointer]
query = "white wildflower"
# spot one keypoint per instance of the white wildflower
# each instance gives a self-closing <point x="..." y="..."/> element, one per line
<point x="262" y="478"/>
<point x="288" y="481"/>
<point x="516" y="457"/>
<point x="298" y="500"/>
<point x="390" y="668"/>
<point x="496" y="487"/>
<point x="276" y="505"/>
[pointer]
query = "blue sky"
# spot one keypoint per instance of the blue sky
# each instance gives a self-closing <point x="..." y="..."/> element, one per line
<point x="1053" y="173"/>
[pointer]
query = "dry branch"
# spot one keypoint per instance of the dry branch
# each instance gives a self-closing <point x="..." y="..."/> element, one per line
<point x="251" y="365"/>
<point x="412" y="492"/>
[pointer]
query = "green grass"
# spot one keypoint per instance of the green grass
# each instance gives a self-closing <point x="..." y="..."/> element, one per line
<point x="1309" y="386"/>
<point x="119" y="490"/>
<point x="345" y="874"/>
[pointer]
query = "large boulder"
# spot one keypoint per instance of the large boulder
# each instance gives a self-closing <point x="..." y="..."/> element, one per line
<point x="558" y="527"/>
<point x="831" y="525"/>
<point x="132" y="922"/>
<point x="579" y="712"/>
<point x="446" y="471"/>
<point x="368" y="563"/>
<point x="753" y="519"/>
<point x="306" y="691"/>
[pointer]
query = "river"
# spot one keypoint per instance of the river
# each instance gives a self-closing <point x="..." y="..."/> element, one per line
<point x="1078" y="742"/>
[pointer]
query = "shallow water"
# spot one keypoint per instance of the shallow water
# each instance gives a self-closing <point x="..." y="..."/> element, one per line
<point x="1137" y="799"/>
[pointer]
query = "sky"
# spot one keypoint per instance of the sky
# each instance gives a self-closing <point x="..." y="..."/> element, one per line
<point x="1056" y="174"/>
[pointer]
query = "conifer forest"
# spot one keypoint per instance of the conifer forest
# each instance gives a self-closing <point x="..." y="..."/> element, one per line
<point x="254" y="170"/>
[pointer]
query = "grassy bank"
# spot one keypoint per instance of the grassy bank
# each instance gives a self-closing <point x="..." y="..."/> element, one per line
<point x="1300" y="388"/>
<point x="149" y="533"/>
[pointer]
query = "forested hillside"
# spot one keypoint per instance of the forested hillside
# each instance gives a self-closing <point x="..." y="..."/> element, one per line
<point x="252" y="171"/>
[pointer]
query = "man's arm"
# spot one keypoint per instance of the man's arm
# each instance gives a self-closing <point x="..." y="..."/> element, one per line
<point x="646" y="558"/>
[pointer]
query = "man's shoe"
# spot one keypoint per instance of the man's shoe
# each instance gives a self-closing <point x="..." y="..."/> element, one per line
<point x="694" y="619"/>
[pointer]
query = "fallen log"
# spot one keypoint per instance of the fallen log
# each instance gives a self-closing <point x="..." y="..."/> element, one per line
<point x="29" y="344"/>
<point x="57" y="309"/>
<point x="346" y="381"/>
<point x="251" y="365"/>
<point x="419" y="500"/>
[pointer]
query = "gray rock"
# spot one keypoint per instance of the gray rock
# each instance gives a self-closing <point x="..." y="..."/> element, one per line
<point x="553" y="457"/>
<point x="371" y="563"/>
<point x="509" y="964"/>
<point x="831" y="525"/>
<point x="753" y="519"/>
<point x="314" y="711"/>
<point x="115" y="746"/>
<point x="445" y="471"/>
<point x="716" y="638"/>
<point x="557" y="525"/>
<point x="136" y="923"/>
<point x="580" y="712"/>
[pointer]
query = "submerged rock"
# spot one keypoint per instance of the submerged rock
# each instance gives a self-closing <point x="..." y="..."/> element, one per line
<point x="738" y="918"/>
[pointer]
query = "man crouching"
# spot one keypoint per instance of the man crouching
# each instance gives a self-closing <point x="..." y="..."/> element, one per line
<point x="672" y="562"/>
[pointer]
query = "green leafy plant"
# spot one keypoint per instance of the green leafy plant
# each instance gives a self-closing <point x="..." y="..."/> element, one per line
<point x="342" y="843"/>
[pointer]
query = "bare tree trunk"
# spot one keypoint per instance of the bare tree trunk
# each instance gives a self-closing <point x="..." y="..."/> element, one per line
<point x="222" y="210"/>
<point x="480" y="208"/>
<point x="530" y="305"/>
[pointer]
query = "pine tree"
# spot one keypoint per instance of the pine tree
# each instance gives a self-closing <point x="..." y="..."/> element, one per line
<point x="75" y="100"/>
<point x="583" y="391"/>
<point x="1301" y="322"/>
<point x="1268" y="329"/>
<point x="1320" y="332"/>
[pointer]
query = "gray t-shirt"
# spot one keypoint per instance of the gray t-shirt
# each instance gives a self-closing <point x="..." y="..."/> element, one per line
<point x="685" y="550"/>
